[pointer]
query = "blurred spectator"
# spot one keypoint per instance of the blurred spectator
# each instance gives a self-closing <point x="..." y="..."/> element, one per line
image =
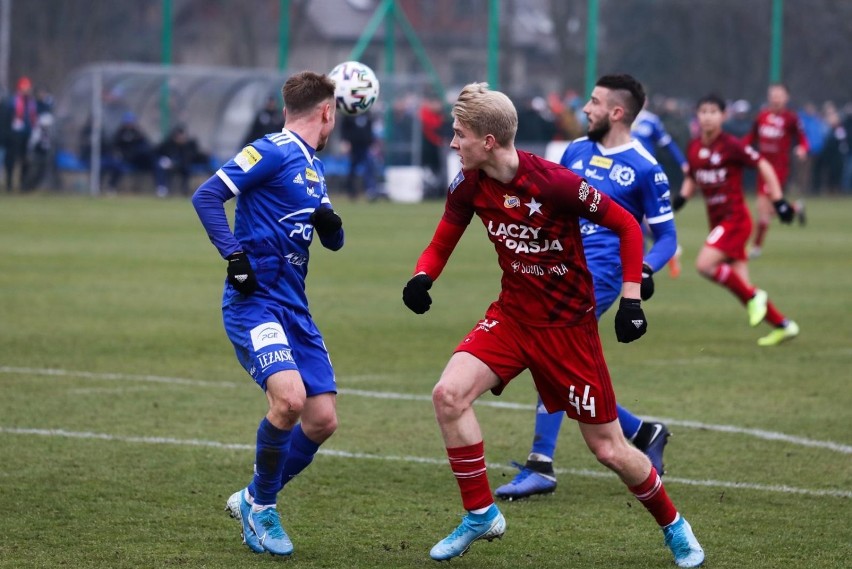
<point x="41" y="144"/>
<point x="178" y="154"/>
<point x="828" y="170"/>
<point x="846" y="181"/>
<point x="435" y="130"/>
<point x="110" y="165"/>
<point x="535" y="121"/>
<point x="815" y="131"/>
<point x="22" y="113"/>
<point x="399" y="150"/>
<point x="268" y="119"/>
<point x="359" y="136"/>
<point x="132" y="149"/>
<point x="739" y="121"/>
<point x="568" y="117"/>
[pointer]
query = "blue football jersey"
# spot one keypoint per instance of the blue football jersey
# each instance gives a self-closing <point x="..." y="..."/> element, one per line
<point x="633" y="178"/>
<point x="278" y="183"/>
<point x="648" y="129"/>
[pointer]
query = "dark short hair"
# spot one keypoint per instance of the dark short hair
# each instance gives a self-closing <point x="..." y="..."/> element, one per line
<point x="305" y="90"/>
<point x="633" y="99"/>
<point x="712" y="99"/>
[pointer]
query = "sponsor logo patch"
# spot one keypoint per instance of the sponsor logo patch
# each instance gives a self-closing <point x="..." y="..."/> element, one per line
<point x="247" y="158"/>
<point x="456" y="181"/>
<point x="601" y="161"/>
<point x="276" y="356"/>
<point x="311" y="175"/>
<point x="268" y="334"/>
<point x="511" y="201"/>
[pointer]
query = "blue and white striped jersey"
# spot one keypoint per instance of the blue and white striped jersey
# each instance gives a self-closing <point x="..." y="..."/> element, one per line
<point x="649" y="130"/>
<point x="278" y="183"/>
<point x="632" y="177"/>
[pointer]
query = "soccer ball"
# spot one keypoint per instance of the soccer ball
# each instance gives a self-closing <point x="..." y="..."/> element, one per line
<point x="356" y="87"/>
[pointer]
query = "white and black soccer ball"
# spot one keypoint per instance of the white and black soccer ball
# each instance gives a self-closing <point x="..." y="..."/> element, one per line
<point x="356" y="87"/>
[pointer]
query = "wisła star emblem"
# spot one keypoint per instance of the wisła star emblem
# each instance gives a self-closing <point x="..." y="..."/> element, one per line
<point x="534" y="206"/>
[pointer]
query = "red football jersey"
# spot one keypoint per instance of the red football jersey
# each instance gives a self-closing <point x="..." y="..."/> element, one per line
<point x="533" y="222"/>
<point x="717" y="170"/>
<point x="773" y="134"/>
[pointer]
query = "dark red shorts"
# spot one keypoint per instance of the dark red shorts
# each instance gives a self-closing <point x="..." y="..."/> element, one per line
<point x="567" y="363"/>
<point x="782" y="173"/>
<point x="731" y="238"/>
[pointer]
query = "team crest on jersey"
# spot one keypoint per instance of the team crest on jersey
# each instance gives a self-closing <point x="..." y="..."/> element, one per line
<point x="456" y="181"/>
<point x="704" y="153"/>
<point x="511" y="201"/>
<point x="247" y="158"/>
<point x="311" y="175"/>
<point x="601" y="161"/>
<point x="715" y="158"/>
<point x="623" y="175"/>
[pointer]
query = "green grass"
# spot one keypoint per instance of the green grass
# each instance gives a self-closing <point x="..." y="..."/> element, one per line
<point x="123" y="456"/>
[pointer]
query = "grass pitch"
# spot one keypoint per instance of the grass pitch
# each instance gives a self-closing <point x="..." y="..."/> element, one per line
<point x="125" y="420"/>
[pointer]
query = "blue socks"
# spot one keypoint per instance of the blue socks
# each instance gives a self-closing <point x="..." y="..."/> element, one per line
<point x="547" y="427"/>
<point x="630" y="423"/>
<point x="300" y="455"/>
<point x="270" y="453"/>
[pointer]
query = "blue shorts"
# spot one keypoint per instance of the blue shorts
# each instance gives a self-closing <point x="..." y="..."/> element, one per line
<point x="268" y="338"/>
<point x="607" y="291"/>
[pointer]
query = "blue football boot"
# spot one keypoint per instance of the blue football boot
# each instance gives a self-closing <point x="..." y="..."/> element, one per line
<point x="490" y="525"/>
<point x="528" y="482"/>
<point x="239" y="509"/>
<point x="685" y="548"/>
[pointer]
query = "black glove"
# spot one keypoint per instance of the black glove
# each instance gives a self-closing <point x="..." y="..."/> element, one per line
<point x="647" y="288"/>
<point x="415" y="295"/>
<point x="326" y="221"/>
<point x="678" y="202"/>
<point x="785" y="210"/>
<point x="240" y="274"/>
<point x="630" y="323"/>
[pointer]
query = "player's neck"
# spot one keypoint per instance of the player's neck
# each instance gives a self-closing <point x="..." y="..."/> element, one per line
<point x="503" y="166"/>
<point x="308" y="131"/>
<point x="616" y="136"/>
<point x="709" y="136"/>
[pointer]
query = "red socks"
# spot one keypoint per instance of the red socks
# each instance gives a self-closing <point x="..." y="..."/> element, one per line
<point x="732" y="281"/>
<point x="468" y="465"/>
<point x="653" y="496"/>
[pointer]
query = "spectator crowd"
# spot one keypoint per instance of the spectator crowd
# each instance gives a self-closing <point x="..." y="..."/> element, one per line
<point x="28" y="140"/>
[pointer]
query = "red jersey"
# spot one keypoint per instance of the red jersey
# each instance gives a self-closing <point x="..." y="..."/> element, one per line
<point x="533" y="222"/>
<point x="773" y="134"/>
<point x="717" y="169"/>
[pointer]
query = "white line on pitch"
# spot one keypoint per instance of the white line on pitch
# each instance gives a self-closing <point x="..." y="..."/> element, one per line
<point x="757" y="433"/>
<point x="413" y="459"/>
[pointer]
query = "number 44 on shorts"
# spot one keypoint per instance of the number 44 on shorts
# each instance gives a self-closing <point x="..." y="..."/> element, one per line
<point x="586" y="403"/>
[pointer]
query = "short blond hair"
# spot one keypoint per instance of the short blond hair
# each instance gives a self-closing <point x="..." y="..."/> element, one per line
<point x="487" y="112"/>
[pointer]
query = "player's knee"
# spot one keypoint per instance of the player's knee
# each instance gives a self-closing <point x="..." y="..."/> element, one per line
<point x="287" y="408"/>
<point x="606" y="452"/>
<point x="705" y="269"/>
<point x="447" y="400"/>
<point x="326" y="427"/>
